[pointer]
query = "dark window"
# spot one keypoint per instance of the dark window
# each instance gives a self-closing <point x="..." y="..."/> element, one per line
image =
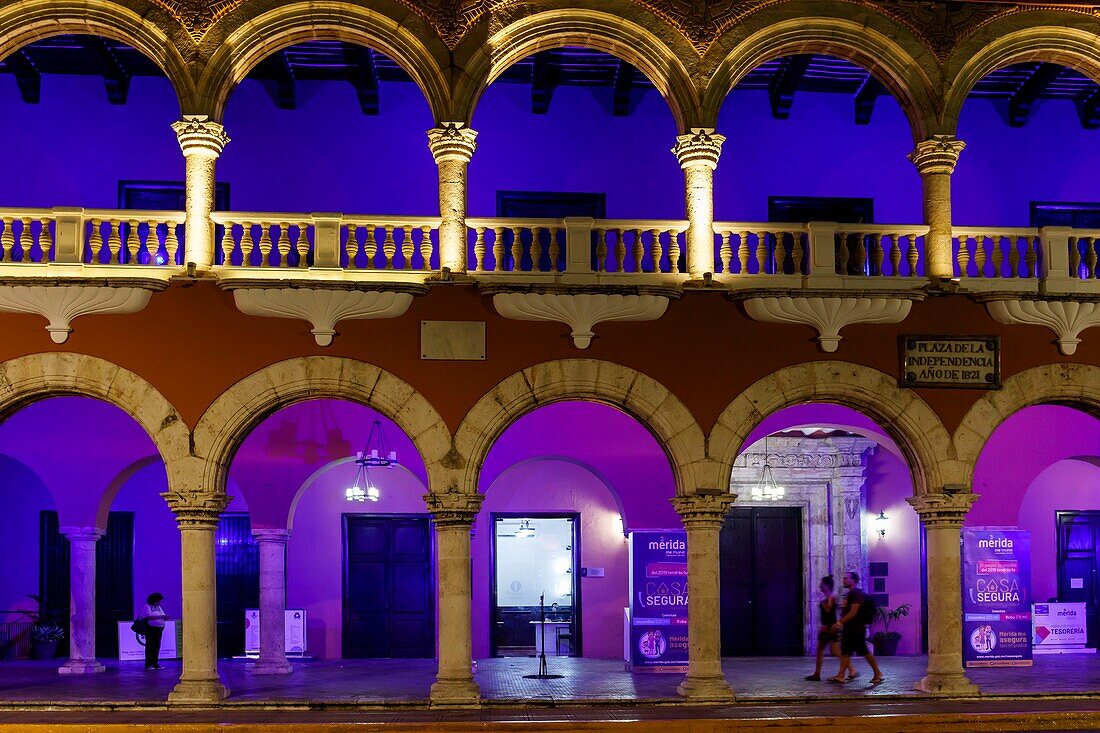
<point x="841" y="209"/>
<point x="550" y="204"/>
<point x="164" y="196"/>
<point x="1063" y="214"/>
<point x="237" y="565"/>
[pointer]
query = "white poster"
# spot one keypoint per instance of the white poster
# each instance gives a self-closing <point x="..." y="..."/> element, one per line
<point x="295" y="634"/>
<point x="132" y="647"/>
<point x="1058" y="627"/>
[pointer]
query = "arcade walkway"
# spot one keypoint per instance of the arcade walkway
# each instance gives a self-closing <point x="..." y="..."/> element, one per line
<point x="405" y="683"/>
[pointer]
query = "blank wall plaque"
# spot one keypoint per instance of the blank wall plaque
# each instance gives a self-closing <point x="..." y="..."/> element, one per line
<point x="452" y="340"/>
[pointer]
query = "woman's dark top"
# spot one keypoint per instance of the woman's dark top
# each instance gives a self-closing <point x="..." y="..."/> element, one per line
<point x="828" y="615"/>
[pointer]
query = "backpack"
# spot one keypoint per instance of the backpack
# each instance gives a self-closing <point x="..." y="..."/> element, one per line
<point x="868" y="611"/>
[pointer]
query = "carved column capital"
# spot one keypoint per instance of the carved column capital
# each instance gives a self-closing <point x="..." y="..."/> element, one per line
<point x="453" y="509"/>
<point x="937" y="154"/>
<point x="79" y="534"/>
<point x="700" y="147"/>
<point x="452" y="141"/>
<point x="943" y="510"/>
<point x="703" y="508"/>
<point x="275" y="536"/>
<point x="196" y="511"/>
<point x="198" y="135"/>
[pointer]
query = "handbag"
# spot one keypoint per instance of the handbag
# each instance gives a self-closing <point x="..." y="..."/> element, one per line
<point x="140" y="626"/>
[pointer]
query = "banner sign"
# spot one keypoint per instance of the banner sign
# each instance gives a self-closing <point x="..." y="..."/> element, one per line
<point x="658" y="601"/>
<point x="996" y="597"/>
<point x="969" y="362"/>
<point x="131" y="647"/>
<point x="294" y="634"/>
<point x="1057" y="627"/>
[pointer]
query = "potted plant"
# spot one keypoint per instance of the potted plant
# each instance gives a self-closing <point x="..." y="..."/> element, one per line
<point x="47" y="632"/>
<point x="885" y="640"/>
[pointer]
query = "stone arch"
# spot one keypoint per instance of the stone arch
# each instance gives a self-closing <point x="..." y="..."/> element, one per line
<point x="384" y="27"/>
<point x="35" y="377"/>
<point x="486" y="59"/>
<point x="32" y="20"/>
<point x="233" y="415"/>
<point x="1065" y="38"/>
<point x="908" y="419"/>
<point x="1073" y="385"/>
<point x="909" y="72"/>
<point x="111" y="493"/>
<point x="636" y="394"/>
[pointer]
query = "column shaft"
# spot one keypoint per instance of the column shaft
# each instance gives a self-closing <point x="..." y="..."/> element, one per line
<point x="272" y="544"/>
<point x="197" y="517"/>
<point x="452" y="144"/>
<point x="942" y="516"/>
<point x="703" y="515"/>
<point x="698" y="154"/>
<point x="935" y="160"/>
<point x="82" y="543"/>
<point x="201" y="141"/>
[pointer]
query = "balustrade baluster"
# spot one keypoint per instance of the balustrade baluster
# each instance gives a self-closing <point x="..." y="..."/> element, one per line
<point x="601" y="251"/>
<point x="282" y="245"/>
<point x="1074" y="258"/>
<point x="673" y="251"/>
<point x="536" y="249"/>
<point x="997" y="255"/>
<point x="370" y="245"/>
<point x="798" y="254"/>
<point x="479" y="249"/>
<point x="1013" y="257"/>
<point x="639" y="251"/>
<point x="1031" y="255"/>
<point x="655" y="249"/>
<point x="761" y="253"/>
<point x="7" y="240"/>
<point x="426" y="247"/>
<point x="301" y="244"/>
<point x="963" y="258"/>
<point x="1090" y="258"/>
<point x="114" y="240"/>
<point x="861" y="254"/>
<point x="25" y="235"/>
<point x="516" y="259"/>
<point x="877" y="254"/>
<point x="912" y="255"/>
<point x="725" y="252"/>
<point x="979" y="254"/>
<point x="780" y="254"/>
<point x="226" y="245"/>
<point x="389" y="247"/>
<point x="134" y="241"/>
<point x="498" y="249"/>
<point x="95" y="239"/>
<point x="264" y="244"/>
<point x="895" y="255"/>
<point x="555" y="249"/>
<point x="743" y="253"/>
<point x="1094" y="256"/>
<point x="45" y="242"/>
<point x="620" y="249"/>
<point x="842" y="253"/>
<point x="406" y="247"/>
<point x="248" y="244"/>
<point x="351" y="246"/>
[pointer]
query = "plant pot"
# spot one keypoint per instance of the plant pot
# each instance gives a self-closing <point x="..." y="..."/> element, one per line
<point x="45" y="649"/>
<point x="886" y="646"/>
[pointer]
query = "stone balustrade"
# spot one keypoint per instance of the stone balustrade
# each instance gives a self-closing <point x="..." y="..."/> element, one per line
<point x="754" y="248"/>
<point x="516" y="245"/>
<point x="328" y="241"/>
<point x="880" y="250"/>
<point x="1084" y="254"/>
<point x="992" y="253"/>
<point x="70" y="236"/>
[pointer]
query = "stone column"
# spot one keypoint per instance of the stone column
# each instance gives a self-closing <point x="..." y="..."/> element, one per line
<point x="703" y="514"/>
<point x="698" y="153"/>
<point x="849" y="542"/>
<point x="197" y="516"/>
<point x="453" y="514"/>
<point x="201" y="141"/>
<point x="942" y="516"/>
<point x="935" y="159"/>
<point x="272" y="544"/>
<point x="82" y="600"/>
<point x="452" y="145"/>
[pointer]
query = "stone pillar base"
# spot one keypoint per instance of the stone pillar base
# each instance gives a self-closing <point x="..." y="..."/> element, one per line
<point x="197" y="692"/>
<point x="277" y="668"/>
<point x="455" y="694"/>
<point x="705" y="690"/>
<point x="80" y="666"/>
<point x="947" y="685"/>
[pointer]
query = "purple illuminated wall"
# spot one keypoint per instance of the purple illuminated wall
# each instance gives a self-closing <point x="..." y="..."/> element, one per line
<point x="327" y="155"/>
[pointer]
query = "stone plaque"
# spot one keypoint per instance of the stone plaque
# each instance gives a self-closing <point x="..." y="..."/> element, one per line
<point x="452" y="340"/>
<point x="964" y="362"/>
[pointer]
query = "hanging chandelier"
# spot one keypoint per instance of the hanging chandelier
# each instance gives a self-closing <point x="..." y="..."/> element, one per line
<point x="376" y="454"/>
<point x="768" y="489"/>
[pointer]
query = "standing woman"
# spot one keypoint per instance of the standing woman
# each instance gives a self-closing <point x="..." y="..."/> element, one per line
<point x="826" y="637"/>
<point x="154" y="618"/>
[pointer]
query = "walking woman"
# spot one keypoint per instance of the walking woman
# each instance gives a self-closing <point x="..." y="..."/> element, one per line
<point x="826" y="636"/>
<point x="154" y="618"/>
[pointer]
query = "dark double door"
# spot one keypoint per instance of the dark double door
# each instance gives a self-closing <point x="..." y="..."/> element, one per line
<point x="761" y="578"/>
<point x="1078" y="560"/>
<point x="389" y="609"/>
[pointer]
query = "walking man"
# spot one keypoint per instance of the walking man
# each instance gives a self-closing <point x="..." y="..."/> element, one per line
<point x="853" y="628"/>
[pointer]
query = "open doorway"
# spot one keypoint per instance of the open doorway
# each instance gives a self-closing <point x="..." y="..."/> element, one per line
<point x="535" y="599"/>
